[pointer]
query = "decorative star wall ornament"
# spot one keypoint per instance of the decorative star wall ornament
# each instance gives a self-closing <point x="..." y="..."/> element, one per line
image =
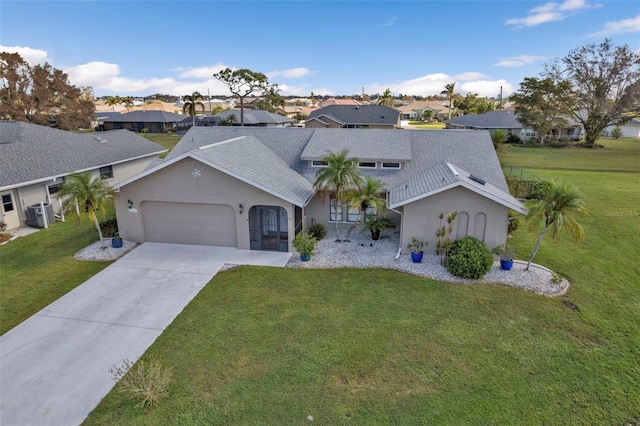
<point x="196" y="173"/>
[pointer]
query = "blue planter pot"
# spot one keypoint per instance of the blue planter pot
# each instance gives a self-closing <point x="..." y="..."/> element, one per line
<point x="305" y="257"/>
<point x="506" y="264"/>
<point x="116" y="242"/>
<point x="417" y="257"/>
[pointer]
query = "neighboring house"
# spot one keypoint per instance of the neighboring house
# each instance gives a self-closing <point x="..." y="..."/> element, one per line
<point x="34" y="161"/>
<point x="414" y="110"/>
<point x="252" y="118"/>
<point x="158" y="106"/>
<point x="138" y="121"/>
<point x="631" y="129"/>
<point x="334" y="101"/>
<point x="508" y="121"/>
<point x="353" y="117"/>
<point x="252" y="188"/>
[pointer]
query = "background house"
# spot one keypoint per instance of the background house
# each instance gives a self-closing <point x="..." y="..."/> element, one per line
<point x="138" y="121"/>
<point x="231" y="117"/>
<point x="631" y="129"/>
<point x="34" y="161"/>
<point x="252" y="188"/>
<point x="414" y="110"/>
<point x="359" y="116"/>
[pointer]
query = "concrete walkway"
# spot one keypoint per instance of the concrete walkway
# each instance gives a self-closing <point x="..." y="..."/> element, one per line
<point x="54" y="367"/>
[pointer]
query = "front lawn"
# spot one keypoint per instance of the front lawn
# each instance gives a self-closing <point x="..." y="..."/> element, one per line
<point x="274" y="346"/>
<point x="434" y="125"/>
<point x="165" y="139"/>
<point x="39" y="268"/>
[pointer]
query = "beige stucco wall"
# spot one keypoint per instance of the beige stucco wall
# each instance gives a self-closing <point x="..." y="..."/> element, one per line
<point x="176" y="183"/>
<point x="420" y="218"/>
<point x="315" y="124"/>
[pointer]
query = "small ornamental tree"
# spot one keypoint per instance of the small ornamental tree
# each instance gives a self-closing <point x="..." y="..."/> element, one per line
<point x="242" y="83"/>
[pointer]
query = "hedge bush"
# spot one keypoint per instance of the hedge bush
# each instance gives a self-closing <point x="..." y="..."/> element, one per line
<point x="318" y="231"/>
<point x="469" y="258"/>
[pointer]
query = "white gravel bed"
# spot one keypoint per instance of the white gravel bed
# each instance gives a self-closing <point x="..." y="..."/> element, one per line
<point x="362" y="252"/>
<point x="97" y="252"/>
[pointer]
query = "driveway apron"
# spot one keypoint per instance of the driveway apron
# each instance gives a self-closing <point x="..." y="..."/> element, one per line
<point x="54" y="367"/>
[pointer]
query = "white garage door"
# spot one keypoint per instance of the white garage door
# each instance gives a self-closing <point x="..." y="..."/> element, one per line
<point x="185" y="223"/>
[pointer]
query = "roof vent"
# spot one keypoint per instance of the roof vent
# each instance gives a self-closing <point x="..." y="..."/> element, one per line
<point x="100" y="139"/>
<point x="477" y="179"/>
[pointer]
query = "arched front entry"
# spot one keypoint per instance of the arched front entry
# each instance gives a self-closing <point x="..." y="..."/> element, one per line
<point x="268" y="228"/>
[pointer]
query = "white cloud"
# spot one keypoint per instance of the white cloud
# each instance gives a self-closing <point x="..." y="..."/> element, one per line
<point x="32" y="56"/>
<point x="201" y="72"/>
<point x="550" y="12"/>
<point x="433" y="84"/>
<point x="631" y="25"/>
<point x="290" y="73"/>
<point x="517" y="61"/>
<point x="390" y="22"/>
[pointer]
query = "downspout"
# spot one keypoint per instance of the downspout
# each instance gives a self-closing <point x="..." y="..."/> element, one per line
<point x="401" y="225"/>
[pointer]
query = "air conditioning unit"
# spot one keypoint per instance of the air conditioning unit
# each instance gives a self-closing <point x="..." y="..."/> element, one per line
<point x="35" y="215"/>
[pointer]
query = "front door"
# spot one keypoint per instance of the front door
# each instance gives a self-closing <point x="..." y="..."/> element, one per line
<point x="268" y="228"/>
<point x="9" y="211"/>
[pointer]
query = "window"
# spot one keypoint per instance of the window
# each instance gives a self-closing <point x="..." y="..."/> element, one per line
<point x="106" y="172"/>
<point x="352" y="214"/>
<point x="318" y="163"/>
<point x="390" y="165"/>
<point x="367" y="165"/>
<point x="7" y="203"/>
<point x="55" y="187"/>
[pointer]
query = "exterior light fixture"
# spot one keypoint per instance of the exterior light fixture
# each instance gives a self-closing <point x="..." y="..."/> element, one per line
<point x="130" y="204"/>
<point x="240" y="208"/>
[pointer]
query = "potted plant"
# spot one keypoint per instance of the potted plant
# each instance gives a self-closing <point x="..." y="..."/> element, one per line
<point x="507" y="255"/>
<point x="416" y="246"/>
<point x="116" y="241"/>
<point x="377" y="225"/>
<point x="305" y="244"/>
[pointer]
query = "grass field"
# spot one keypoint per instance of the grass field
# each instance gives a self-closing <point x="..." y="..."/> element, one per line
<point x="273" y="346"/>
<point x="434" y="125"/>
<point x="164" y="139"/>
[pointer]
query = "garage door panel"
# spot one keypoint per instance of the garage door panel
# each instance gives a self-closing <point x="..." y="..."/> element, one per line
<point x="187" y="223"/>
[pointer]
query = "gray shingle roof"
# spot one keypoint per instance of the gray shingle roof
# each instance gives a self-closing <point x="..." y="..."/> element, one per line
<point x="29" y="152"/>
<point x="250" y="160"/>
<point x="443" y="175"/>
<point x="366" y="146"/>
<point x="358" y="115"/>
<point x="488" y="120"/>
<point x="471" y="150"/>
<point x="145" y="116"/>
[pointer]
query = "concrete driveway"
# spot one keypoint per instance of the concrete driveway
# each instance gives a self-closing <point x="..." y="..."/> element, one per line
<point x="54" y="367"/>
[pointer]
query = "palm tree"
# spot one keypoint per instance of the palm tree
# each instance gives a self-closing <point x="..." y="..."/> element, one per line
<point x="90" y="194"/>
<point x="271" y="99"/>
<point x="557" y="208"/>
<point x="449" y="90"/>
<point x="387" y="99"/>
<point x="127" y="101"/>
<point x="367" y="195"/>
<point x="427" y="115"/>
<point x="340" y="176"/>
<point x="499" y="137"/>
<point x="112" y="101"/>
<point x="191" y="104"/>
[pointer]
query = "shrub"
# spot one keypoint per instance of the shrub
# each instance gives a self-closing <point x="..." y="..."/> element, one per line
<point x="469" y="258"/>
<point x="3" y="226"/>
<point x="146" y="382"/>
<point x="318" y="231"/>
<point x="304" y="243"/>
<point x="513" y="139"/>
<point x="514" y="222"/>
<point x="109" y="228"/>
<point x="538" y="188"/>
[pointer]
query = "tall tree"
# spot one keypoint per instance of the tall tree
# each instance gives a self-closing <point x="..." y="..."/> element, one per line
<point x="387" y="99"/>
<point x="473" y="104"/>
<point x="242" y="83"/>
<point x="127" y="101"/>
<point x="340" y="176"/>
<point x="42" y="95"/>
<point x="89" y="194"/>
<point x="557" y="208"/>
<point x="271" y="99"/>
<point x="449" y="90"/>
<point x="112" y="101"/>
<point x="191" y="104"/>
<point x="541" y="105"/>
<point x="367" y="195"/>
<point x="605" y="85"/>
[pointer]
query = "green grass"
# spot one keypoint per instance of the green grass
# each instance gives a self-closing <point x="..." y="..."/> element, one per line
<point x="272" y="346"/>
<point x="166" y="140"/>
<point x="39" y="268"/>
<point x="434" y="125"/>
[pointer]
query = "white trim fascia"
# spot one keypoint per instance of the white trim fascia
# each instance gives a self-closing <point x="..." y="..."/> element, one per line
<point x="468" y="186"/>
<point x="32" y="182"/>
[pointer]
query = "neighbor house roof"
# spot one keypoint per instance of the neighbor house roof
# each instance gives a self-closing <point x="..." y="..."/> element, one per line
<point x="146" y="117"/>
<point x="30" y="153"/>
<point x="487" y="120"/>
<point x="442" y="176"/>
<point x="253" y="116"/>
<point x="419" y="105"/>
<point x="363" y="115"/>
<point x="334" y="101"/>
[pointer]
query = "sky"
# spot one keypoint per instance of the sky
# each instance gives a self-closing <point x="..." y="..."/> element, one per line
<point x="138" y="48"/>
